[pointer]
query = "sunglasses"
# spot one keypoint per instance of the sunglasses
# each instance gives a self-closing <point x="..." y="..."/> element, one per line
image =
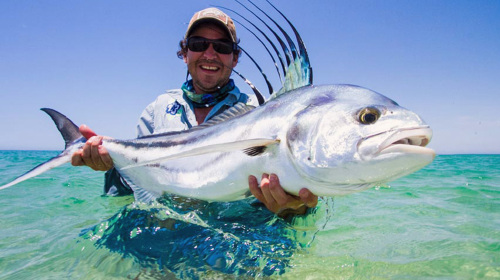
<point x="200" y="44"/>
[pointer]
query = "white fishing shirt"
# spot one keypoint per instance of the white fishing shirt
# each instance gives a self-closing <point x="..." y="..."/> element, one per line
<point x="173" y="111"/>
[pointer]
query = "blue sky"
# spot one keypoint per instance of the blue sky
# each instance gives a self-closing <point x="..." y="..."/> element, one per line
<point x="102" y="62"/>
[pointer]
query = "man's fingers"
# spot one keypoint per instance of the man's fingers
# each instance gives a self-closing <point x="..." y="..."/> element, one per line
<point x="277" y="191"/>
<point x="274" y="196"/>
<point x="86" y="157"/>
<point x="86" y="131"/>
<point x="264" y="187"/>
<point x="309" y="199"/>
<point x="92" y="154"/>
<point x="76" y="159"/>
<point x="108" y="162"/>
<point x="253" y="184"/>
<point x="264" y="176"/>
<point x="96" y="141"/>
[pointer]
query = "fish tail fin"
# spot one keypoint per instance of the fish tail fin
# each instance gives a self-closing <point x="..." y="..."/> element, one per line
<point x="41" y="168"/>
<point x="73" y="140"/>
<point x="69" y="131"/>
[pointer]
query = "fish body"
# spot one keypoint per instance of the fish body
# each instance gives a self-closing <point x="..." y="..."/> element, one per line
<point x="332" y="139"/>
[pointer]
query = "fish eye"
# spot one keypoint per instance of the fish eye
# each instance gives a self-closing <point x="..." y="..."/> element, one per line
<point x="369" y="115"/>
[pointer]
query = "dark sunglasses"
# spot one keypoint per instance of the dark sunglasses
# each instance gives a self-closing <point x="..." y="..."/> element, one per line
<point x="200" y="44"/>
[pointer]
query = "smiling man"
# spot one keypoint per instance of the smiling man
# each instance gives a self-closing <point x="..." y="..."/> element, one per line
<point x="210" y="51"/>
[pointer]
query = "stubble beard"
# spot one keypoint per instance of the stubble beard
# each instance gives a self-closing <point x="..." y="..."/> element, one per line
<point x="209" y="86"/>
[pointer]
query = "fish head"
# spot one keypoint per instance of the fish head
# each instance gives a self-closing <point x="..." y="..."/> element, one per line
<point x="353" y="137"/>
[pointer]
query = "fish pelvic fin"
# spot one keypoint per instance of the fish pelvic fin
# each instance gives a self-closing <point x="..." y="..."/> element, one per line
<point x="251" y="147"/>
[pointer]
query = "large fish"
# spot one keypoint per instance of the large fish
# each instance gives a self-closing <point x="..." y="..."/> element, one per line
<point x="332" y="139"/>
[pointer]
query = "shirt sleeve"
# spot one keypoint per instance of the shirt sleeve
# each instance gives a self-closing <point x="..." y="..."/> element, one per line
<point x="146" y="124"/>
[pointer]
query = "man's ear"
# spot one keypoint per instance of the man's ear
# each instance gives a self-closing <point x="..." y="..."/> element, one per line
<point x="235" y="60"/>
<point x="184" y="57"/>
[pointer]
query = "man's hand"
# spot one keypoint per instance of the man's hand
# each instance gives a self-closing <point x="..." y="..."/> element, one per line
<point x="92" y="154"/>
<point x="276" y="199"/>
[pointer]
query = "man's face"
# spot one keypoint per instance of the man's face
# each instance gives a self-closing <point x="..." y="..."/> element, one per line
<point x="209" y="69"/>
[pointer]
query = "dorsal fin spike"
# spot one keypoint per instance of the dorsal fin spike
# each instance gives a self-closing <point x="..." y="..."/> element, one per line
<point x="256" y="91"/>
<point x="302" y="46"/>
<point x="263" y="44"/>
<point x="268" y="51"/>
<point x="269" y="86"/>
<point x="288" y="55"/>
<point x="288" y="39"/>
<point x="299" y="72"/>
<point x="238" y="109"/>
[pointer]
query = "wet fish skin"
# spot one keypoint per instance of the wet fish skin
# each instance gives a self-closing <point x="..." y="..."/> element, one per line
<point x="333" y="139"/>
<point x="311" y="137"/>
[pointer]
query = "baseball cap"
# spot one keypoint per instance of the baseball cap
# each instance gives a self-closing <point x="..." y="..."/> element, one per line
<point x="213" y="15"/>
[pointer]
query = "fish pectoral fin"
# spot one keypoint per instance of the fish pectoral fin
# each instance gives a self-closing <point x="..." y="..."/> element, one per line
<point x="255" y="151"/>
<point x="251" y="147"/>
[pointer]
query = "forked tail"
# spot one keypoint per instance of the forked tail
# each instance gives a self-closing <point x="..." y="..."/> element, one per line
<point x="73" y="141"/>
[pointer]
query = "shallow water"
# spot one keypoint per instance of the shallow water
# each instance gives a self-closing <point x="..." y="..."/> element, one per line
<point x="442" y="222"/>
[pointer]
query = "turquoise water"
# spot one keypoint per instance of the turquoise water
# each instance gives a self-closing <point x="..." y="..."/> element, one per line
<point x="442" y="222"/>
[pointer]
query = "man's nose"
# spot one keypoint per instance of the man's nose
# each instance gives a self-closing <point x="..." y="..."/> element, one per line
<point x="210" y="52"/>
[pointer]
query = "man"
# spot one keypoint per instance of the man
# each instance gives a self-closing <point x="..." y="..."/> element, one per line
<point x="210" y="51"/>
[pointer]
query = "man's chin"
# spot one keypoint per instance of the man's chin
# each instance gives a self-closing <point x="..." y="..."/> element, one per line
<point x="210" y="87"/>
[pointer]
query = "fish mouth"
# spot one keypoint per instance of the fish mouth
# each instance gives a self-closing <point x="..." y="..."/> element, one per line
<point x="404" y="140"/>
<point x="410" y="140"/>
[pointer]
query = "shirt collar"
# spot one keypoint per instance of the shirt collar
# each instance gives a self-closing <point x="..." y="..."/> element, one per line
<point x="207" y="99"/>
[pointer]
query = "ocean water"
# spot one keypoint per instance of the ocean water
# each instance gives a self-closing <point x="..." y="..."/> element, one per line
<point x="442" y="222"/>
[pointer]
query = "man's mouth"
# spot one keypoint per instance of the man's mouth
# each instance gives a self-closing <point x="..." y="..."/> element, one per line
<point x="209" y="65"/>
<point x="209" y="68"/>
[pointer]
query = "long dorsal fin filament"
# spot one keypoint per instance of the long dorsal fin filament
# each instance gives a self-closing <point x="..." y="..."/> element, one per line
<point x="298" y="71"/>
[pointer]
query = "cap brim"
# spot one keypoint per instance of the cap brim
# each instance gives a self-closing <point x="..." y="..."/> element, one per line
<point x="196" y="24"/>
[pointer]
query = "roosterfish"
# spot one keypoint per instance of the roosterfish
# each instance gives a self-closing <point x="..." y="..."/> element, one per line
<point x="332" y="139"/>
